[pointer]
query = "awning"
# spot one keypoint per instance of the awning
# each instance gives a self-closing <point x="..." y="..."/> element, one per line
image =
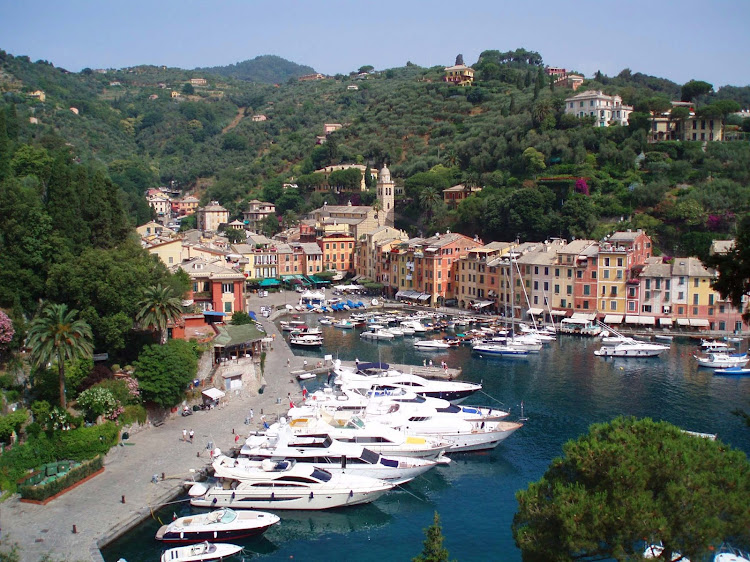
<point x="482" y="304"/>
<point x="683" y="322"/>
<point x="424" y="297"/>
<point x="631" y="320"/>
<point x="213" y="313"/>
<point x="536" y="311"/>
<point x="613" y="319"/>
<point x="252" y="315"/>
<point x="647" y="320"/>
<point x="213" y="393"/>
<point x="269" y="283"/>
<point x="583" y="316"/>
<point x="665" y="321"/>
<point x="559" y="313"/>
<point x="699" y="322"/>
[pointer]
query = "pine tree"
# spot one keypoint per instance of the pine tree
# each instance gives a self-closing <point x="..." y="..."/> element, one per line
<point x="433" y="550"/>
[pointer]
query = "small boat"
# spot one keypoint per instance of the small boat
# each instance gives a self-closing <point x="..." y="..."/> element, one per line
<point x="501" y="350"/>
<point x="377" y="334"/>
<point x="663" y="337"/>
<point x="713" y="345"/>
<point x="326" y="321"/>
<point x="306" y="341"/>
<point x="222" y="524"/>
<point x="345" y="324"/>
<point x="306" y="376"/>
<point x="733" y="371"/>
<point x="722" y="360"/>
<point x="201" y="551"/>
<point x="429" y="345"/>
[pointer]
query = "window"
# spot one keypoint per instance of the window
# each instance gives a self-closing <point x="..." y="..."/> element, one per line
<point x="695" y="298"/>
<point x="227" y="287"/>
<point x="614" y="290"/>
<point x="695" y="311"/>
<point x="593" y="274"/>
<point x="631" y="306"/>
<point x="619" y="262"/>
<point x="619" y="273"/>
<point x="680" y="296"/>
<point x="711" y="299"/>
<point x="613" y="305"/>
<point x="695" y="283"/>
<point x="557" y="289"/>
<point x="647" y="296"/>
<point x="586" y="305"/>
<point x="648" y="283"/>
<point x="579" y="274"/>
<point x="569" y="289"/>
<point x="631" y="293"/>
<point x="228" y="307"/>
<point x="606" y="273"/>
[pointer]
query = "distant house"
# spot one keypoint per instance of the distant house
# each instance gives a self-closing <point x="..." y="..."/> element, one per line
<point x="453" y="196"/>
<point x="459" y="75"/>
<point x="259" y="117"/>
<point x="74" y="110"/>
<point x="115" y="83"/>
<point x="198" y="81"/>
<point x="175" y="94"/>
<point x="38" y="94"/>
<point x="256" y="212"/>
<point x="352" y="87"/>
<point x="328" y="128"/>
<point x="605" y="109"/>
<point x="211" y="216"/>
<point x="187" y="205"/>
<point x="160" y="203"/>
<point x="309" y="77"/>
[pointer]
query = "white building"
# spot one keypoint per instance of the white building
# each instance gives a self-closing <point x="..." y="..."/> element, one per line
<point x="594" y="103"/>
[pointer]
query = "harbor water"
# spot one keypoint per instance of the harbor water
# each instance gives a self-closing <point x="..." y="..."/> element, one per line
<point x="563" y="389"/>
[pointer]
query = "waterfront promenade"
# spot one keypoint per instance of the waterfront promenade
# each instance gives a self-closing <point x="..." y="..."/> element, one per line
<point x="95" y="507"/>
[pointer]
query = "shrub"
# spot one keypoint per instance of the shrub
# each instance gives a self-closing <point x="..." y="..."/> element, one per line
<point x="76" y="474"/>
<point x="97" y="401"/>
<point x="133" y="414"/>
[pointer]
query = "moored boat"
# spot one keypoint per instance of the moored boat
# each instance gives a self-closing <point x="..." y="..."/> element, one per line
<point x="722" y="360"/>
<point x="200" y="552"/>
<point x="222" y="524"/>
<point x="736" y="371"/>
<point x="429" y="345"/>
<point x="306" y="341"/>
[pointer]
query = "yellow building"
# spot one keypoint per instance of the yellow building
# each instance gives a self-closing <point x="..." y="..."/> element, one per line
<point x="211" y="217"/>
<point x="459" y="75"/>
<point x="169" y="252"/>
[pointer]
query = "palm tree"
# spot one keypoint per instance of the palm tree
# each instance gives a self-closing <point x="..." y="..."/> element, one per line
<point x="430" y="198"/>
<point x="56" y="334"/>
<point x="159" y="307"/>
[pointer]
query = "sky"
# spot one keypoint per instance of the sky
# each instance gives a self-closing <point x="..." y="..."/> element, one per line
<point x="683" y="40"/>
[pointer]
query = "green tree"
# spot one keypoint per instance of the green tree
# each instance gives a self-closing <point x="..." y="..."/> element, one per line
<point x="165" y="371"/>
<point x="632" y="480"/>
<point x="734" y="268"/>
<point x="270" y="225"/>
<point x="433" y="550"/>
<point x="188" y="89"/>
<point x="55" y="334"/>
<point x="241" y="317"/>
<point x="159" y="307"/>
<point x="533" y="160"/>
<point x="235" y="235"/>
<point x="695" y="88"/>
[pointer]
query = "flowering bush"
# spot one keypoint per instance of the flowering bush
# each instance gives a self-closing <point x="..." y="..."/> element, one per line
<point x="98" y="401"/>
<point x="6" y="330"/>
<point x="582" y="186"/>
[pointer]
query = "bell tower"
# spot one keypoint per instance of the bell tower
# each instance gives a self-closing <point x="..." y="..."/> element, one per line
<point x="385" y="195"/>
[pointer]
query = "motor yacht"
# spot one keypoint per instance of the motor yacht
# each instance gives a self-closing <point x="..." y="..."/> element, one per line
<point x="722" y="360"/>
<point x="499" y="350"/>
<point x="431" y="345"/>
<point x="306" y="341"/>
<point x="284" y="484"/>
<point x="321" y="450"/>
<point x="631" y="348"/>
<point x="415" y="325"/>
<point x="379" y="333"/>
<point x="222" y="524"/>
<point x="453" y="391"/>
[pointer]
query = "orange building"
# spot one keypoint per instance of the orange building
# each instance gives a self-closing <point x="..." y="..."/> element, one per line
<point x="338" y="252"/>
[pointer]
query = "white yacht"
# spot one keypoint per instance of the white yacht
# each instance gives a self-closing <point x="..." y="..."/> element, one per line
<point x="222" y="524"/>
<point x="306" y="341"/>
<point x="431" y="345"/>
<point x="722" y="360"/>
<point x="280" y="443"/>
<point x="631" y="348"/>
<point x="415" y="325"/>
<point x="350" y="428"/>
<point x="453" y="391"/>
<point x="283" y="485"/>
<point x="379" y="333"/>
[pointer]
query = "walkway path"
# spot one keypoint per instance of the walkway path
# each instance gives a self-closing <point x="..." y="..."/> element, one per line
<point x="95" y="507"/>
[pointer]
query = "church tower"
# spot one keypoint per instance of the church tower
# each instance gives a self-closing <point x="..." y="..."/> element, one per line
<point x="385" y="196"/>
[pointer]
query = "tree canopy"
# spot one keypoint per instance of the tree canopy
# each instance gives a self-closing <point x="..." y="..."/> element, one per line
<point x="734" y="268"/>
<point x="165" y="371"/>
<point x="630" y="481"/>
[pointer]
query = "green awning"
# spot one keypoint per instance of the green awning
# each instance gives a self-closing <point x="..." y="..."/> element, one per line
<point x="270" y="283"/>
<point x="232" y="336"/>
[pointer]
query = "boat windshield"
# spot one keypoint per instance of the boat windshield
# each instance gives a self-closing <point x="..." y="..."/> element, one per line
<point x="369" y="456"/>
<point x="322" y="475"/>
<point x="228" y="516"/>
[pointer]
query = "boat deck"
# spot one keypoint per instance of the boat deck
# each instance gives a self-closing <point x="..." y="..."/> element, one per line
<point x="434" y="372"/>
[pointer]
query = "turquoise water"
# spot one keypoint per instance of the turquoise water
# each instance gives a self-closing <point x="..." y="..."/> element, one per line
<point x="565" y="388"/>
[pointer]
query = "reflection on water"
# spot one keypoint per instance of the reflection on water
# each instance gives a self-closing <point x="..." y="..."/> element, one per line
<point x="565" y="388"/>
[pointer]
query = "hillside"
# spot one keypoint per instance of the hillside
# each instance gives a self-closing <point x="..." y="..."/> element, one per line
<point x="266" y="69"/>
<point x="508" y="134"/>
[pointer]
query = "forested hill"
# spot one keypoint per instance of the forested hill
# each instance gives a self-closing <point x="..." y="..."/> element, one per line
<point x="267" y="69"/>
<point x="543" y="173"/>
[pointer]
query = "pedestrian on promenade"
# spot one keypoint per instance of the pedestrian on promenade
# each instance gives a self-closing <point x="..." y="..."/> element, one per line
<point x="430" y="362"/>
<point x="184" y="434"/>
<point x="192" y="434"/>
<point x="424" y="362"/>
<point x="288" y="361"/>
<point x="251" y="414"/>
<point x="304" y="393"/>
<point x="236" y="438"/>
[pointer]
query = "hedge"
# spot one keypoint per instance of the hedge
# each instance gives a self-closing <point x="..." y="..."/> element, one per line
<point x="76" y="474"/>
<point x="78" y="444"/>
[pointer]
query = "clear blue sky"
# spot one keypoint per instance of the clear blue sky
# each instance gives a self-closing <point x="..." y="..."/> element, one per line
<point x="676" y="40"/>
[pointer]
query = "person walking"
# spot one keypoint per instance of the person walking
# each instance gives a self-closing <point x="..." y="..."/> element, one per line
<point x="251" y="414"/>
<point x="192" y="434"/>
<point x="288" y="361"/>
<point x="304" y="393"/>
<point x="184" y="434"/>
